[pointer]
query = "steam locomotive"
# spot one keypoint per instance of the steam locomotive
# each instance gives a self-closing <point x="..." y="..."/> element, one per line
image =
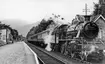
<point x="76" y="41"/>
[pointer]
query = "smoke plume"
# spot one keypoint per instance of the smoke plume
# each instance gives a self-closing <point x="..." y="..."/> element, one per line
<point x="48" y="39"/>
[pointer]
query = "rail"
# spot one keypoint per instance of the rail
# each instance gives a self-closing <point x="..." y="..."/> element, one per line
<point x="39" y="60"/>
<point x="63" y="62"/>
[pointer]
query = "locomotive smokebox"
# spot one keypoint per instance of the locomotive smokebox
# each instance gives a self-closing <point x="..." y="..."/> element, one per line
<point x="90" y="30"/>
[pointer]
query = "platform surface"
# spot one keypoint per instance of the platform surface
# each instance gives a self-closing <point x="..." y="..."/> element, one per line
<point x="17" y="53"/>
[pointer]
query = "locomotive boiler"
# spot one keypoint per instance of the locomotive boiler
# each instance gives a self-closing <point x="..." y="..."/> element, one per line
<point x="78" y="41"/>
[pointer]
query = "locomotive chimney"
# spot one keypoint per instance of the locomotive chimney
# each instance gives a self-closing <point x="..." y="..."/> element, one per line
<point x="87" y="18"/>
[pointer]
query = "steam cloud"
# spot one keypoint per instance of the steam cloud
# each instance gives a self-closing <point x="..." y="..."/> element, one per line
<point x="48" y="39"/>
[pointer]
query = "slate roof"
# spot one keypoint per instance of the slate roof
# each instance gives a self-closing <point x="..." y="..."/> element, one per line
<point x="95" y="18"/>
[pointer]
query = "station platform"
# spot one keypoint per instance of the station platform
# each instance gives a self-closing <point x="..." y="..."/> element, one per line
<point x="17" y="53"/>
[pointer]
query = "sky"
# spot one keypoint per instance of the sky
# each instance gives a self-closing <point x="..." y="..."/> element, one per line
<point x="31" y="11"/>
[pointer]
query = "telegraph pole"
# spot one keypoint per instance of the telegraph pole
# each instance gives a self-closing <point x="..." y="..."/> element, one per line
<point x="86" y="9"/>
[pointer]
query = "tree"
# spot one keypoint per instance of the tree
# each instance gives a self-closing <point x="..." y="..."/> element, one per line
<point x="99" y="8"/>
<point x="41" y="27"/>
<point x="14" y="32"/>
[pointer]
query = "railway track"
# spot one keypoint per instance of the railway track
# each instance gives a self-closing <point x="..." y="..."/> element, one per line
<point x="68" y="60"/>
<point x="45" y="57"/>
<point x="52" y="59"/>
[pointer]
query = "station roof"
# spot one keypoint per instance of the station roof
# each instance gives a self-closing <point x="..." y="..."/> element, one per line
<point x="98" y="17"/>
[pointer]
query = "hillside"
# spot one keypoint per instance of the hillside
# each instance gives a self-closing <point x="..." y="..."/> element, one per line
<point x="14" y="23"/>
<point x="25" y="29"/>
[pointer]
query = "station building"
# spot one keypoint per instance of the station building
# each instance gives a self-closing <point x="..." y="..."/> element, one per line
<point x="5" y="34"/>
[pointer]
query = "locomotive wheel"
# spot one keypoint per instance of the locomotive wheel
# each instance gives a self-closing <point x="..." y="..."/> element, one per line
<point x="76" y="55"/>
<point x="56" y="48"/>
<point x="72" y="55"/>
<point x="63" y="49"/>
<point x="82" y="57"/>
